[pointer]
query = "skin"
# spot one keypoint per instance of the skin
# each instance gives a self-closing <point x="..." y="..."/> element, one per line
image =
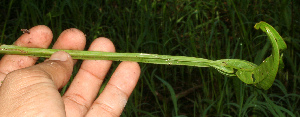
<point x="32" y="90"/>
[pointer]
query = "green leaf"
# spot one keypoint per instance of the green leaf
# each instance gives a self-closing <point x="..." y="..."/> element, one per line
<point x="266" y="72"/>
<point x="261" y="76"/>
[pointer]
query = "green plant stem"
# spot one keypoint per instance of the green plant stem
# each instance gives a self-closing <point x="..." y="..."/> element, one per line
<point x="261" y="76"/>
<point x="97" y="55"/>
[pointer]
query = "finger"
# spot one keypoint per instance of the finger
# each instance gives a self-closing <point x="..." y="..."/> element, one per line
<point x="113" y="99"/>
<point x="33" y="90"/>
<point x="70" y="39"/>
<point x="39" y="37"/>
<point x="86" y="84"/>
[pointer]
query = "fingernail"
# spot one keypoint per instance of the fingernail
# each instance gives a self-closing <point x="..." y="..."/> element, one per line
<point x="60" y="55"/>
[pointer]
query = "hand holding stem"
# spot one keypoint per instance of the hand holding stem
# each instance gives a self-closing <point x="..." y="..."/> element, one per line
<point x="34" y="88"/>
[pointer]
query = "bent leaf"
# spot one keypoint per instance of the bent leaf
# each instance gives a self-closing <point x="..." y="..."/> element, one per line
<point x="261" y="76"/>
<point x="266" y="72"/>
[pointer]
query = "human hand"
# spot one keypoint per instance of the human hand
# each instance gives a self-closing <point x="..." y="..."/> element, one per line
<point x="32" y="90"/>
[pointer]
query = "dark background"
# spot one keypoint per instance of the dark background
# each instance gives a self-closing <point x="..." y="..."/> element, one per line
<point x="212" y="29"/>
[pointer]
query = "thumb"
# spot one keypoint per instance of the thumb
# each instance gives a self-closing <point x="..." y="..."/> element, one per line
<point x="36" y="86"/>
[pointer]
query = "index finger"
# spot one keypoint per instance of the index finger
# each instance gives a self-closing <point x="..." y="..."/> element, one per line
<point x="39" y="37"/>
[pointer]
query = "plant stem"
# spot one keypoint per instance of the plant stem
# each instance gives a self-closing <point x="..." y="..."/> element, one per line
<point x="97" y="55"/>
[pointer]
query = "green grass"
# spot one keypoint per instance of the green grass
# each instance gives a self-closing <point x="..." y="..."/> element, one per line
<point x="208" y="29"/>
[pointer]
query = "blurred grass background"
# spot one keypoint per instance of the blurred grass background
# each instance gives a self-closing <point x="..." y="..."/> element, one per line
<point x="212" y="29"/>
